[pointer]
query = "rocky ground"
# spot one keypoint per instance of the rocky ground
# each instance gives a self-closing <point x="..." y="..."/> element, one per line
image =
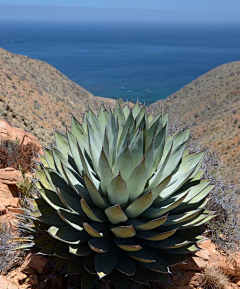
<point x="210" y="105"/>
<point x="35" y="97"/>
<point x="206" y="269"/>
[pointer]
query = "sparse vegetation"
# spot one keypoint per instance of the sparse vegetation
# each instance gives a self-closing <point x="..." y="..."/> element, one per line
<point x="214" y="278"/>
<point x="8" y="257"/>
<point x="224" y="230"/>
<point x="25" y="186"/>
<point x="16" y="155"/>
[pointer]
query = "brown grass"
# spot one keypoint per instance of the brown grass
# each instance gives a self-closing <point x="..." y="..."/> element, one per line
<point x="17" y="156"/>
<point x="214" y="278"/>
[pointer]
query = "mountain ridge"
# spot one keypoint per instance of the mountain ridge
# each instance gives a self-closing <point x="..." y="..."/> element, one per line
<point x="210" y="105"/>
<point x="37" y="98"/>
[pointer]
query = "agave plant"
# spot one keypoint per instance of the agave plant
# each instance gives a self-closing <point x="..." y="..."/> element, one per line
<point x="120" y="200"/>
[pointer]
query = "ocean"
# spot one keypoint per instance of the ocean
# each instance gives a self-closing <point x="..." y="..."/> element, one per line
<point x="144" y="61"/>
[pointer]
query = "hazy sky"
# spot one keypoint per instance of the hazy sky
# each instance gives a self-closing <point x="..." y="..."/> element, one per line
<point x="188" y="10"/>
<point x="187" y="5"/>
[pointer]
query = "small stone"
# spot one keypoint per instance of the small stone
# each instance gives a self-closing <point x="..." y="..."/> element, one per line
<point x="222" y="236"/>
<point x="10" y="177"/>
<point x="35" y="262"/>
<point x="11" y="202"/>
<point x="3" y="209"/>
<point x="5" y="191"/>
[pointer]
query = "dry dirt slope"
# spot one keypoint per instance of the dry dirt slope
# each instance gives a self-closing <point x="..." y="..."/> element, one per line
<point x="211" y="106"/>
<point x="37" y="97"/>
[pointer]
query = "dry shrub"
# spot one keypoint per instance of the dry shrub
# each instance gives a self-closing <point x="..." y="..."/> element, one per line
<point x="224" y="230"/>
<point x="16" y="155"/>
<point x="8" y="257"/>
<point x="214" y="278"/>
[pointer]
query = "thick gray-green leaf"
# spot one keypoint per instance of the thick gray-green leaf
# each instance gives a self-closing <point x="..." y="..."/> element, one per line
<point x="93" y="214"/>
<point x="136" y="110"/>
<point x="96" y="230"/>
<point x="105" y="263"/>
<point x="68" y="201"/>
<point x="96" y="197"/>
<point x="41" y="176"/>
<point x="124" y="164"/>
<point x="49" y="158"/>
<point x="146" y="226"/>
<point x="142" y="256"/>
<point x="100" y="245"/>
<point x="75" y="152"/>
<point x="123" y="231"/>
<point x="62" y="144"/>
<point x="159" y="266"/>
<point x="159" y="142"/>
<point x="79" y="133"/>
<point x="155" y="235"/>
<point x="95" y="142"/>
<point x="59" y="181"/>
<point x="137" y="181"/>
<point x="180" y="218"/>
<point x="88" y="281"/>
<point x="126" y="111"/>
<point x="75" y="267"/>
<point x="138" y="206"/>
<point x="127" y="244"/>
<point x="75" y="182"/>
<point x="102" y="118"/>
<point x="52" y="199"/>
<point x="115" y="214"/>
<point x="126" y="265"/>
<point x="73" y="219"/>
<point x="65" y="234"/>
<point x="141" y="276"/>
<point x="155" y="212"/>
<point x="105" y="172"/>
<point x="117" y="191"/>
<point x="136" y="148"/>
<point x="80" y="250"/>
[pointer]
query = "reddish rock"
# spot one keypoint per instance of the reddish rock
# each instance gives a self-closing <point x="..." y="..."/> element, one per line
<point x="35" y="262"/>
<point x="10" y="176"/>
<point x="11" y="202"/>
<point x="10" y="220"/>
<point x="192" y="272"/>
<point x="5" y="191"/>
<point x="13" y="133"/>
<point x="3" y="209"/>
<point x="6" y="283"/>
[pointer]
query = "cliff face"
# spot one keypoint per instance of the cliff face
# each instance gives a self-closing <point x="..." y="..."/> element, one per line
<point x="37" y="97"/>
<point x="211" y="106"/>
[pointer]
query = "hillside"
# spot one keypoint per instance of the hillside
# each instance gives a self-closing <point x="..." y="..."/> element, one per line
<point x="37" y="97"/>
<point x="210" y="105"/>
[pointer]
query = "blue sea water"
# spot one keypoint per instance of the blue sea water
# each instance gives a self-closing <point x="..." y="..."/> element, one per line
<point x="145" y="61"/>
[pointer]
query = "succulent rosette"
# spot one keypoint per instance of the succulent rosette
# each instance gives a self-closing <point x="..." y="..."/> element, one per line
<point x="121" y="201"/>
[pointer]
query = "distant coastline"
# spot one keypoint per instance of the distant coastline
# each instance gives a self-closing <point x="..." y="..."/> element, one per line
<point x="151" y="61"/>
